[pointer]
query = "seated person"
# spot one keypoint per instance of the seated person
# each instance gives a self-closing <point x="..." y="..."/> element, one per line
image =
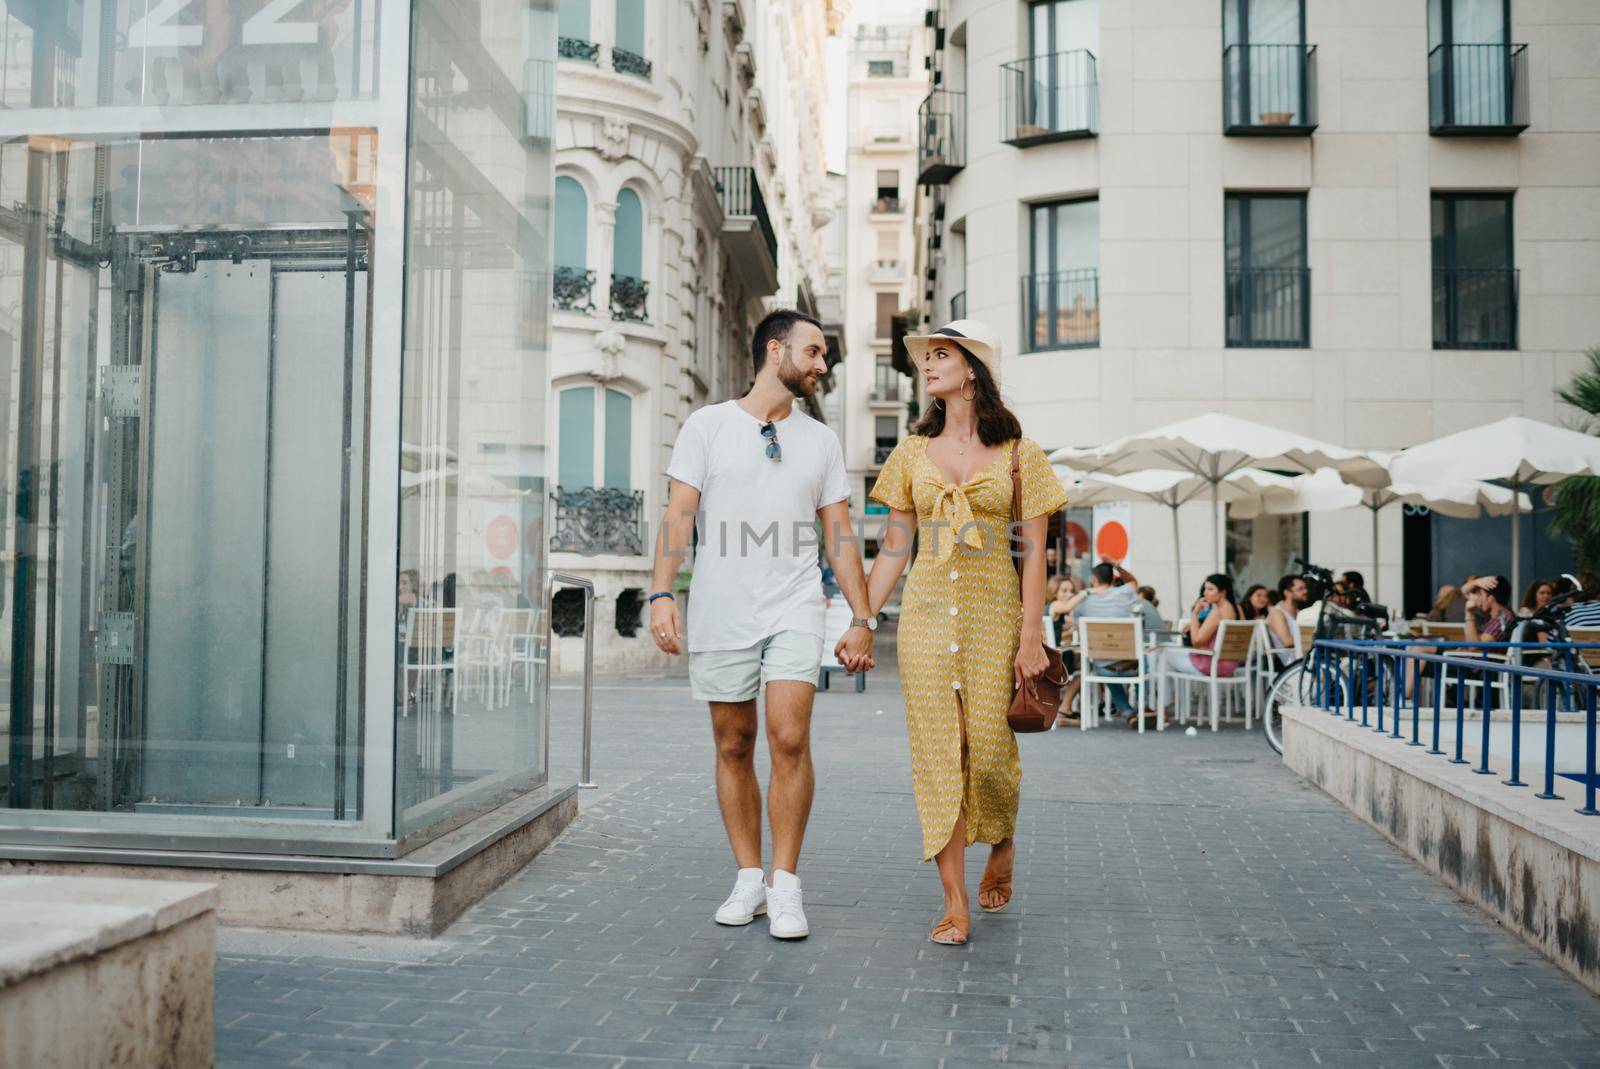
<point x="1106" y="599"/>
<point x="1281" y="618"/>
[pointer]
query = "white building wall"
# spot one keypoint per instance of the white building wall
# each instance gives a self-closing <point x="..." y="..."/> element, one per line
<point x="1160" y="167"/>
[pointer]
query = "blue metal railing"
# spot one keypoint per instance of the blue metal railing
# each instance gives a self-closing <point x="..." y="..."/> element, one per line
<point x="1374" y="674"/>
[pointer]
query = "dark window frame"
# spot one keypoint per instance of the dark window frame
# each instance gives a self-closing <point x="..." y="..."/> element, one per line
<point x="1052" y="268"/>
<point x="1244" y="55"/>
<point x="1447" y="42"/>
<point x="1451" y="338"/>
<point x="1244" y="198"/>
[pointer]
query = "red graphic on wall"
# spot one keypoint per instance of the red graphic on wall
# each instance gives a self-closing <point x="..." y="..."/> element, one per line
<point x="1111" y="542"/>
<point x="1078" y="537"/>
<point x="501" y="537"/>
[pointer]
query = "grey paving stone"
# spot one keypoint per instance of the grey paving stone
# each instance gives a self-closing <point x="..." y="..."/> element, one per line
<point x="1180" y="902"/>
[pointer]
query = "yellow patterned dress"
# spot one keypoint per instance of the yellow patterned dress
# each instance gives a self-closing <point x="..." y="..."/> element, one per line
<point x="960" y="618"/>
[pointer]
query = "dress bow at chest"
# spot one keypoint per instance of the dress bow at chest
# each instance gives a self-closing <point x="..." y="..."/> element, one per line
<point x="952" y="522"/>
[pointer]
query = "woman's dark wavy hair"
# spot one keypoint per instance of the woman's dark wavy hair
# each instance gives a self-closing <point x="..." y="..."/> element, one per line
<point x="1224" y="583"/>
<point x="996" y="422"/>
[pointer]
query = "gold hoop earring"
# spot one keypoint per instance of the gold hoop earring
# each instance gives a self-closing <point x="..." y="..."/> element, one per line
<point x="967" y="397"/>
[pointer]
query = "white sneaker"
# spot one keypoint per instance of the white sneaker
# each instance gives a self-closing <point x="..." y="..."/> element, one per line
<point x="785" y="918"/>
<point x="748" y="899"/>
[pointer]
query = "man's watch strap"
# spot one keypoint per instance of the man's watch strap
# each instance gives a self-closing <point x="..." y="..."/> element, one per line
<point x="868" y="622"/>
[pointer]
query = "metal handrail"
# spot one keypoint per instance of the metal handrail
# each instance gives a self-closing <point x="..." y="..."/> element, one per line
<point x="554" y="580"/>
<point x="1341" y="685"/>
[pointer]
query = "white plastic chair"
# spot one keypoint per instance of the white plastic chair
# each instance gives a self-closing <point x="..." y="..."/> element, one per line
<point x="430" y="650"/>
<point x="1234" y="641"/>
<point x="1112" y="640"/>
<point x="522" y="643"/>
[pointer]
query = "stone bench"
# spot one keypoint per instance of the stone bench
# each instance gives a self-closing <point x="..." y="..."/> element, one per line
<point x="111" y="973"/>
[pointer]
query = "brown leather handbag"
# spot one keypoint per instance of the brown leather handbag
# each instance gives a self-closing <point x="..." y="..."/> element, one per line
<point x="1034" y="704"/>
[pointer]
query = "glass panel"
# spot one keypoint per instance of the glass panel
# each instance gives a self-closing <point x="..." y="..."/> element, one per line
<point x="184" y="442"/>
<point x="619" y="440"/>
<point x="1478" y="22"/>
<point x="473" y="399"/>
<point x="1482" y="228"/>
<point x="77" y="54"/>
<point x="574" y="19"/>
<point x="575" y="468"/>
<point x="628" y="241"/>
<point x="572" y="224"/>
<point x="630" y="26"/>
<point x="1077" y="236"/>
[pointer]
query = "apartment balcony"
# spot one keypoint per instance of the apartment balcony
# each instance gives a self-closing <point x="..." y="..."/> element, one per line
<point x="880" y="453"/>
<point x="958" y="306"/>
<point x="886" y="139"/>
<point x="1475" y="308"/>
<point x="1061" y="309"/>
<point x="1049" y="98"/>
<point x="596" y="519"/>
<point x="628" y="299"/>
<point x="1268" y="308"/>
<point x="941" y="136"/>
<point x="574" y="290"/>
<point x="888" y="386"/>
<point x="747" y="232"/>
<point x="625" y="62"/>
<point x="888" y="206"/>
<point x="1478" y="90"/>
<point x="578" y="49"/>
<point x="1269" y="90"/>
<point x="886" y="272"/>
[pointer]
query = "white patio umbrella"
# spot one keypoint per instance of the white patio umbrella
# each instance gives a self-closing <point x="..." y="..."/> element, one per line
<point x="1213" y="447"/>
<point x="1325" y="491"/>
<point x="1518" y="451"/>
<point x="1170" y="488"/>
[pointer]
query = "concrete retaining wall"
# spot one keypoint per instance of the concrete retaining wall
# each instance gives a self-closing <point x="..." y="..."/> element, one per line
<point x="1534" y="864"/>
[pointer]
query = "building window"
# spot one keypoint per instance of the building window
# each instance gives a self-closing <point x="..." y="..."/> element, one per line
<point x="888" y="194"/>
<point x="880" y="68"/>
<point x="1054" y="93"/>
<point x="1268" y="283"/>
<point x="887" y="306"/>
<point x="886" y="435"/>
<point x="572" y="26"/>
<point x="1474" y="276"/>
<point x="888" y="247"/>
<point x="1268" y="80"/>
<point x="587" y="432"/>
<point x="628" y="287"/>
<point x="1477" y="79"/>
<point x="627" y="54"/>
<point x="1061" y="292"/>
<point x="574" y="282"/>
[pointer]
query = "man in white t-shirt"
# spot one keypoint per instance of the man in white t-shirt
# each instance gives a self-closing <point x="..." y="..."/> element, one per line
<point x="756" y="476"/>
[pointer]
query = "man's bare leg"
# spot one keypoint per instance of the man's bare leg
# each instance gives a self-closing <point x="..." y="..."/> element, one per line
<point x="733" y="726"/>
<point x="789" y="743"/>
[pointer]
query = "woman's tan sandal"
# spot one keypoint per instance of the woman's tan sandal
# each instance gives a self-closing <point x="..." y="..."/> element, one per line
<point x="958" y="923"/>
<point x="996" y="882"/>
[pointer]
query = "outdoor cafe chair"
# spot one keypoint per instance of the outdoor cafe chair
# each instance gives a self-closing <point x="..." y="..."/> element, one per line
<point x="1234" y="641"/>
<point x="1112" y="640"/>
<point x="430" y="650"/>
<point x="525" y="647"/>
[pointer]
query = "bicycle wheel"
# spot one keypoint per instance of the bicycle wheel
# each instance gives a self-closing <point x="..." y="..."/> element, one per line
<point x="1291" y="686"/>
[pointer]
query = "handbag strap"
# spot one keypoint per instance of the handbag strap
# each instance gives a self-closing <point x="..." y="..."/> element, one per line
<point x="1016" y="505"/>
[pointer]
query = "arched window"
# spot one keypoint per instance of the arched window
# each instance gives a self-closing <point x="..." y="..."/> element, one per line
<point x="573" y="21"/>
<point x="628" y="289"/>
<point x="572" y="224"/>
<point x="586" y="431"/>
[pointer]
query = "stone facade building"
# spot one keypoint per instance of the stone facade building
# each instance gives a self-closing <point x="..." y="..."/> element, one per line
<point x="691" y="196"/>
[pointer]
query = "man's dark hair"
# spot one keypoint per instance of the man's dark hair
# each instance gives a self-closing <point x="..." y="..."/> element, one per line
<point x="1104" y="573"/>
<point x="775" y="326"/>
<point x="1499" y="588"/>
<point x="1286" y="584"/>
<point x="1355" y="579"/>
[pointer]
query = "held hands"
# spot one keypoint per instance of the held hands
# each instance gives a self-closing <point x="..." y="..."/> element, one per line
<point x="666" y="626"/>
<point x="854" y="650"/>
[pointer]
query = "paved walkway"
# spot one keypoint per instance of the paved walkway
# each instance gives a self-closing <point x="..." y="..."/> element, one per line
<point x="1180" y="902"/>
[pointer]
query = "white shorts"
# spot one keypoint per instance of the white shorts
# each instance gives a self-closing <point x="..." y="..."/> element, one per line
<point x="739" y="675"/>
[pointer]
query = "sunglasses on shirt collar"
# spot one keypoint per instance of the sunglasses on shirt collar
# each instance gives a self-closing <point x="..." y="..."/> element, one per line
<point x="769" y="431"/>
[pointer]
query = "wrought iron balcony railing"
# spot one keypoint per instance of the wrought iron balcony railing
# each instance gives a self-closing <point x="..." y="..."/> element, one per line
<point x="880" y="453"/>
<point x="741" y="195"/>
<point x="1269" y="89"/>
<point x="598" y="519"/>
<point x="941" y="136"/>
<point x="1061" y="309"/>
<point x="1475" y="308"/>
<point x="1049" y="98"/>
<point x="574" y="290"/>
<point x="1269" y="308"/>
<point x="887" y="206"/>
<point x="628" y="297"/>
<point x="958" y="306"/>
<point x="885" y="383"/>
<point x="1478" y="90"/>
<point x="577" y="48"/>
<point x="625" y="62"/>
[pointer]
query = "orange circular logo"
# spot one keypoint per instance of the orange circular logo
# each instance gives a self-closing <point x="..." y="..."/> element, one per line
<point x="1111" y="542"/>
<point x="501" y="537"/>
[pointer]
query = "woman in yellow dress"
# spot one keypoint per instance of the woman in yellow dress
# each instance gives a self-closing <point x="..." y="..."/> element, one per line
<point x="968" y="633"/>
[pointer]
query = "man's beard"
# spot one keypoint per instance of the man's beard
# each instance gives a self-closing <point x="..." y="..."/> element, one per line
<point x="799" y="383"/>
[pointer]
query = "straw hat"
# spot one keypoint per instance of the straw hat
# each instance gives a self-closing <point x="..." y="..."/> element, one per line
<point x="973" y="335"/>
